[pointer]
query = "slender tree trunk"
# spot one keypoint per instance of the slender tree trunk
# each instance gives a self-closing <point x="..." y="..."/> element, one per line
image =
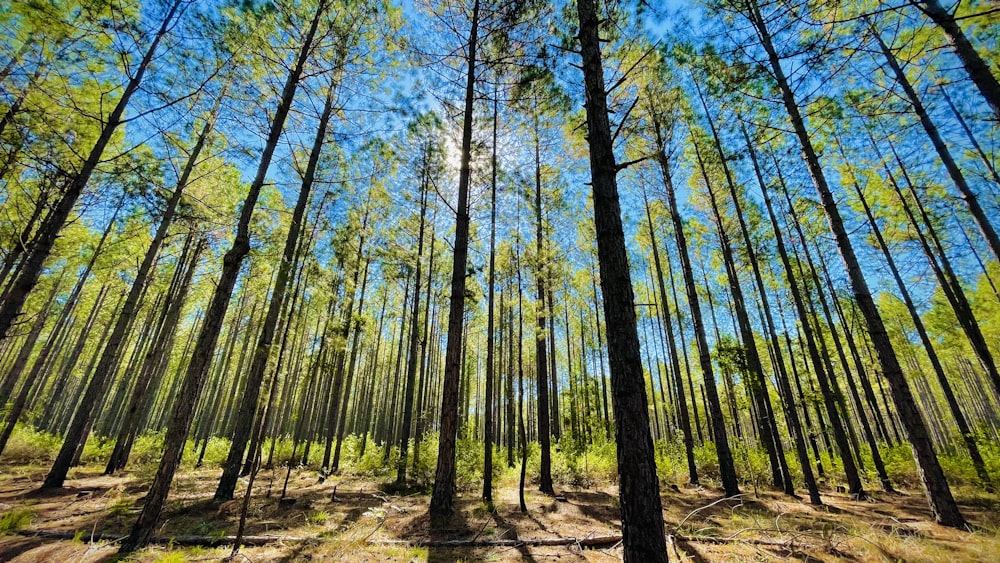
<point x="490" y="321"/>
<point x="262" y="351"/>
<point x="979" y="71"/>
<point x="429" y="310"/>
<point x="987" y="161"/>
<point x="541" y="335"/>
<point x="351" y="368"/>
<point x="963" y="426"/>
<point x="639" y="493"/>
<point x="791" y="415"/>
<point x="964" y="190"/>
<point x="442" y="501"/>
<point x="685" y="420"/>
<point x="415" y="336"/>
<point x="727" y="467"/>
<point x="757" y="388"/>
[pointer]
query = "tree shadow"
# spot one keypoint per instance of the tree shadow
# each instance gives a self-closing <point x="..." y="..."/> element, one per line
<point x="511" y="533"/>
<point x="10" y="549"/>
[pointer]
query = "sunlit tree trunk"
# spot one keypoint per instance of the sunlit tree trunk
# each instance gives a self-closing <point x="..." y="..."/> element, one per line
<point x="639" y="493"/>
<point x="442" y="496"/>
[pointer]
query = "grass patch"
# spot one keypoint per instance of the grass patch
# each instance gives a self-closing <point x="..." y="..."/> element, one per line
<point x="14" y="520"/>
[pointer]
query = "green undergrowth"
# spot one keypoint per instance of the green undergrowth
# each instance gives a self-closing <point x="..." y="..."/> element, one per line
<point x="14" y="520"/>
<point x="575" y="463"/>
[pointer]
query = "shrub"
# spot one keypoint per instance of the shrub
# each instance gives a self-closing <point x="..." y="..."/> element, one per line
<point x="147" y="449"/>
<point x="423" y="473"/>
<point x="900" y="466"/>
<point x="29" y="446"/>
<point x="469" y="462"/>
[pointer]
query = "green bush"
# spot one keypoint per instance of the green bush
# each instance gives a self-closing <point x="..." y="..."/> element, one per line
<point x="216" y="452"/>
<point x="707" y="460"/>
<point x="147" y="449"/>
<point x="29" y="446"/>
<point x="900" y="466"/>
<point x="578" y="465"/>
<point x="469" y="460"/>
<point x="97" y="450"/>
<point x="423" y="473"/>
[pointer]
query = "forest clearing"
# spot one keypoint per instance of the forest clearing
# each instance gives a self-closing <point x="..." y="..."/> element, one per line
<point x="503" y="280"/>
<point x="359" y="517"/>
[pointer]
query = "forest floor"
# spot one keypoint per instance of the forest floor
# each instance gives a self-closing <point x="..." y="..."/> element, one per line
<point x="353" y="519"/>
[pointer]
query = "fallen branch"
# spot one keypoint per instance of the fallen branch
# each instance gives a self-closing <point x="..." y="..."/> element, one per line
<point x="751" y="541"/>
<point x="591" y="541"/>
<point x="583" y="542"/>
<point x="202" y="541"/>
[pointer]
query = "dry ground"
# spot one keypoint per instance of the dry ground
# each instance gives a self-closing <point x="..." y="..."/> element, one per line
<point x="348" y="526"/>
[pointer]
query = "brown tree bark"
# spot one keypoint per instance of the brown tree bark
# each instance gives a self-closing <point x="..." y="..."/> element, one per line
<point x="639" y="492"/>
<point x="444" y="476"/>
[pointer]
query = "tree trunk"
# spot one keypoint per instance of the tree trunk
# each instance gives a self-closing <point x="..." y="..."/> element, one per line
<point x="942" y="503"/>
<point x="963" y="426"/>
<point x="727" y="466"/>
<point x="757" y="385"/>
<point x="639" y="492"/>
<point x="444" y="476"/>
<point x="979" y="71"/>
<point x="791" y="415"/>
<point x="541" y="335"/>
<point x="194" y="377"/>
<point x="964" y="190"/>
<point x="262" y="352"/>
<point x="490" y="321"/>
<point x="675" y="366"/>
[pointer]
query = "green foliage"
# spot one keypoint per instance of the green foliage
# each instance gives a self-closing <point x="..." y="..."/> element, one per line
<point x="752" y="463"/>
<point x="282" y="451"/>
<point x="215" y="453"/>
<point x="97" y="450"/>
<point x="900" y="466"/>
<point x="121" y="508"/>
<point x="707" y="460"/>
<point x="170" y="557"/>
<point x="28" y="446"/>
<point x="14" y="520"/>
<point x="584" y="466"/>
<point x="148" y="449"/>
<point x="372" y="463"/>
<point x="423" y="473"/>
<point x="469" y="462"/>
<point x="209" y="529"/>
<point x="318" y="518"/>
